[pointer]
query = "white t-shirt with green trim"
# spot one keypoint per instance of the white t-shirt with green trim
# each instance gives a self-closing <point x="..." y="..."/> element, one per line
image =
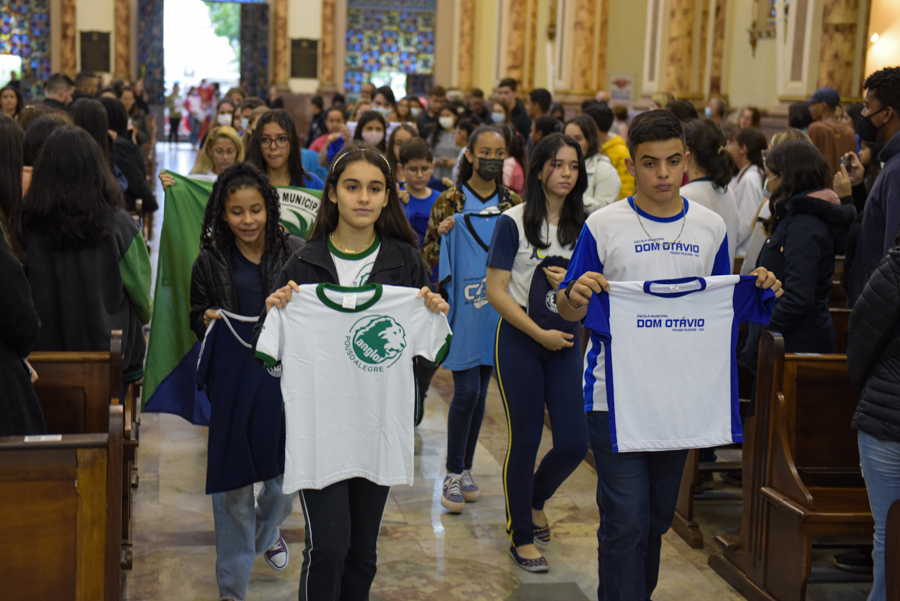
<point x="354" y="269"/>
<point x="347" y="380"/>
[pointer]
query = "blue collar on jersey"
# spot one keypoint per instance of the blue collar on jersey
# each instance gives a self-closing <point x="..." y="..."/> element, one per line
<point x="676" y="287"/>
<point x="646" y="215"/>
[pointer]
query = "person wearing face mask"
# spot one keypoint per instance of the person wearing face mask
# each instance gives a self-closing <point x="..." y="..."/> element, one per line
<point x="499" y="113"/>
<point x="538" y="354"/>
<point x="371" y="129"/>
<point x="244" y="113"/>
<point x="879" y="122"/>
<point x="383" y="103"/>
<point x="479" y="188"/>
<point x="717" y="110"/>
<point x="443" y="141"/>
<point x="415" y="107"/>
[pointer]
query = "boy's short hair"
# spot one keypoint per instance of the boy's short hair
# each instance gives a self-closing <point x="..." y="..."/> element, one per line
<point x="317" y="102"/>
<point x="542" y="98"/>
<point x="683" y="109"/>
<point x="477" y="93"/>
<point x="508" y="82"/>
<point x="415" y="148"/>
<point x="468" y="125"/>
<point x="602" y="116"/>
<point x="439" y="91"/>
<point x="653" y="126"/>
<point x="547" y="124"/>
<point x="586" y="104"/>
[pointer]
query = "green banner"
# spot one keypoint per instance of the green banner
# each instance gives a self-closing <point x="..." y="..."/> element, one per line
<point x="171" y="337"/>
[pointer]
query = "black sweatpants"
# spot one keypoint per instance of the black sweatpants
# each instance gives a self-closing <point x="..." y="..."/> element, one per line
<point x="342" y="525"/>
<point x="530" y="378"/>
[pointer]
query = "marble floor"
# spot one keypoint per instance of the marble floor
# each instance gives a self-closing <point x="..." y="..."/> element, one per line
<point x="423" y="551"/>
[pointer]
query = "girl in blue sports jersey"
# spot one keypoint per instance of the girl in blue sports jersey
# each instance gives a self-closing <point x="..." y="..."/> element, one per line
<point x="537" y="355"/>
<point x="243" y="249"/>
<point x="275" y="150"/>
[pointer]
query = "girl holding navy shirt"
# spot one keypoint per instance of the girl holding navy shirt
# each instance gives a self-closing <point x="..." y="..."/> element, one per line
<point x="538" y="364"/>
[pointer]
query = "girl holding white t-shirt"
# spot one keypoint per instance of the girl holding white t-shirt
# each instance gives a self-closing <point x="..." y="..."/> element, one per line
<point x="361" y="236"/>
<point x="536" y="364"/>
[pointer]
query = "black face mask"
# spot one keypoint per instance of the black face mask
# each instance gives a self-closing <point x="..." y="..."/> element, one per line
<point x="489" y="169"/>
<point x="867" y="130"/>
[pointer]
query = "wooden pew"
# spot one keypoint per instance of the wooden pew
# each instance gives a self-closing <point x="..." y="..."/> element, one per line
<point x="60" y="535"/>
<point x="684" y="524"/>
<point x="75" y="391"/>
<point x="801" y="474"/>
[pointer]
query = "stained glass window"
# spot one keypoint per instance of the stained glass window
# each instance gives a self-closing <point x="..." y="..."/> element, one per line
<point x="388" y="37"/>
<point x="25" y="32"/>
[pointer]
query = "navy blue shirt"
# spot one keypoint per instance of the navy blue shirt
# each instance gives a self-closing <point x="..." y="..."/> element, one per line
<point x="248" y="284"/>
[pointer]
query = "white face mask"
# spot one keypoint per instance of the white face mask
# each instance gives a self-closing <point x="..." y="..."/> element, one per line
<point x="498" y="117"/>
<point x="382" y="110"/>
<point x="415" y="111"/>
<point x="244" y="123"/>
<point x="447" y="122"/>
<point x="373" y="137"/>
<point x="224" y="119"/>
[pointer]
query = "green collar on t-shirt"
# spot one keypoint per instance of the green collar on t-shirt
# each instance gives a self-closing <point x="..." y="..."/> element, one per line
<point x="354" y="257"/>
<point x="321" y="288"/>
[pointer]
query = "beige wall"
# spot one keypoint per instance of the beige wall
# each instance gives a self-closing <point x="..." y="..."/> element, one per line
<point x="625" y="46"/>
<point x="304" y="21"/>
<point x="96" y="15"/>
<point x="885" y="21"/>
<point x="486" y="32"/>
<point x="747" y="79"/>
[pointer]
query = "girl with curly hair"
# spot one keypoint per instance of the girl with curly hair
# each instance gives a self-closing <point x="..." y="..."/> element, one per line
<point x="242" y="251"/>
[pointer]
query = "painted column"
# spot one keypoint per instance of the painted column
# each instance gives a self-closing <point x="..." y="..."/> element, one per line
<point x="843" y="45"/>
<point x="515" y="50"/>
<point x="279" y="42"/>
<point x="679" y="59"/>
<point x="326" y="69"/>
<point x="68" y="58"/>
<point x="122" y="45"/>
<point x="466" y="48"/>
<point x="583" y="40"/>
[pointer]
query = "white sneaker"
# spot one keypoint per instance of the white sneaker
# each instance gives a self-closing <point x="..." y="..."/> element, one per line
<point x="277" y="555"/>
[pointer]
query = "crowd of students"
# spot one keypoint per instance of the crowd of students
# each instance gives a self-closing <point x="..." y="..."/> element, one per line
<point x="507" y="215"/>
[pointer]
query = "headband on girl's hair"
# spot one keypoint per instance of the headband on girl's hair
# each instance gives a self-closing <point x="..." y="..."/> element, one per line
<point x="363" y="151"/>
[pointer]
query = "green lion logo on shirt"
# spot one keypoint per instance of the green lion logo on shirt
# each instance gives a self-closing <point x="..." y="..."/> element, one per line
<point x="375" y="342"/>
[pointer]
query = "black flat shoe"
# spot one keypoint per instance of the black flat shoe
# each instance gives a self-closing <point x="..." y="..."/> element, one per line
<point x="530" y="565"/>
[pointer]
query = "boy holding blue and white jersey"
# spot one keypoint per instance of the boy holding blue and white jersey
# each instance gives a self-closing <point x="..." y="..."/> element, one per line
<point x="653" y="235"/>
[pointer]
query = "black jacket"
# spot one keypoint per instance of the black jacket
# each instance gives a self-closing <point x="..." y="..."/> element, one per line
<point x="397" y="264"/>
<point x="519" y="119"/>
<point x="212" y="282"/>
<point x="131" y="163"/>
<point x="807" y="234"/>
<point x="873" y="352"/>
<point x="20" y="412"/>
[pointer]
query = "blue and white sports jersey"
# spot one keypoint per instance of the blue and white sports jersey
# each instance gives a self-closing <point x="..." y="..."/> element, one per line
<point x="670" y="372"/>
<point x="614" y="242"/>
<point x="463" y="269"/>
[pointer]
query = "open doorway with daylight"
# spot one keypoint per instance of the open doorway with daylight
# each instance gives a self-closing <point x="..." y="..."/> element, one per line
<point x="209" y="48"/>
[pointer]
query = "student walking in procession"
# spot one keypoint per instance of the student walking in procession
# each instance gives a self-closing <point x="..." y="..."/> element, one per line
<point x="243" y="249"/>
<point x="537" y="354"/>
<point x="637" y="491"/>
<point x="361" y="244"/>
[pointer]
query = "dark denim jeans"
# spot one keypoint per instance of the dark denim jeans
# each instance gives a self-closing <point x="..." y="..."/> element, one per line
<point x="636" y="494"/>
<point x="465" y="416"/>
